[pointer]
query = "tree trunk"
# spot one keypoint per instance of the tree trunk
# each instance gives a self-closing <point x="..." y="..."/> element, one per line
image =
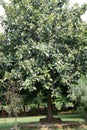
<point x="38" y="106"/>
<point x="49" y="118"/>
<point x="49" y="106"/>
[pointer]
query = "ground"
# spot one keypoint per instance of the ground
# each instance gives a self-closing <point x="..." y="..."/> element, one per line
<point x="60" y="126"/>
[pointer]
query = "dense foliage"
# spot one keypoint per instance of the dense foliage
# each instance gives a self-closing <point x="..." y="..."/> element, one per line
<point x="45" y="45"/>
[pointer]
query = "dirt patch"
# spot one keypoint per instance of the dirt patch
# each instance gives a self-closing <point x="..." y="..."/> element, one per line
<point x="50" y="120"/>
<point x="63" y="125"/>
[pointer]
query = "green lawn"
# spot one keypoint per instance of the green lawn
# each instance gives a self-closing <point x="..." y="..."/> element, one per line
<point x="7" y="123"/>
<point x="27" y="120"/>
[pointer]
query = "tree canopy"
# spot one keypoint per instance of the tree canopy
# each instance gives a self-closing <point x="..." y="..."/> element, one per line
<point x="45" y="45"/>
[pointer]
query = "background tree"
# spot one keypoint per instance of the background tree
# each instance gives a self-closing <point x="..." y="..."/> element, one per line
<point x="32" y="99"/>
<point x="42" y="45"/>
<point x="79" y="95"/>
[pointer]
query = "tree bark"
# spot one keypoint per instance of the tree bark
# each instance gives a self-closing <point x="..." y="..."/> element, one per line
<point x="49" y="105"/>
<point x="49" y="118"/>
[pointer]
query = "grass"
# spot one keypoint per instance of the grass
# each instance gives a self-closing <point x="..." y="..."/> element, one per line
<point x="71" y="117"/>
<point x="35" y="119"/>
<point x="6" y="124"/>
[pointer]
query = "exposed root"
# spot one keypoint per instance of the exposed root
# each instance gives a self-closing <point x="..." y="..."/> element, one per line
<point x="50" y="120"/>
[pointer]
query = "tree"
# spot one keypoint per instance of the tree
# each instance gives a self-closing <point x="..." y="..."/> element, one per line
<point x="42" y="45"/>
<point x="34" y="98"/>
<point x="79" y="95"/>
<point x="14" y="101"/>
<point x="2" y="69"/>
